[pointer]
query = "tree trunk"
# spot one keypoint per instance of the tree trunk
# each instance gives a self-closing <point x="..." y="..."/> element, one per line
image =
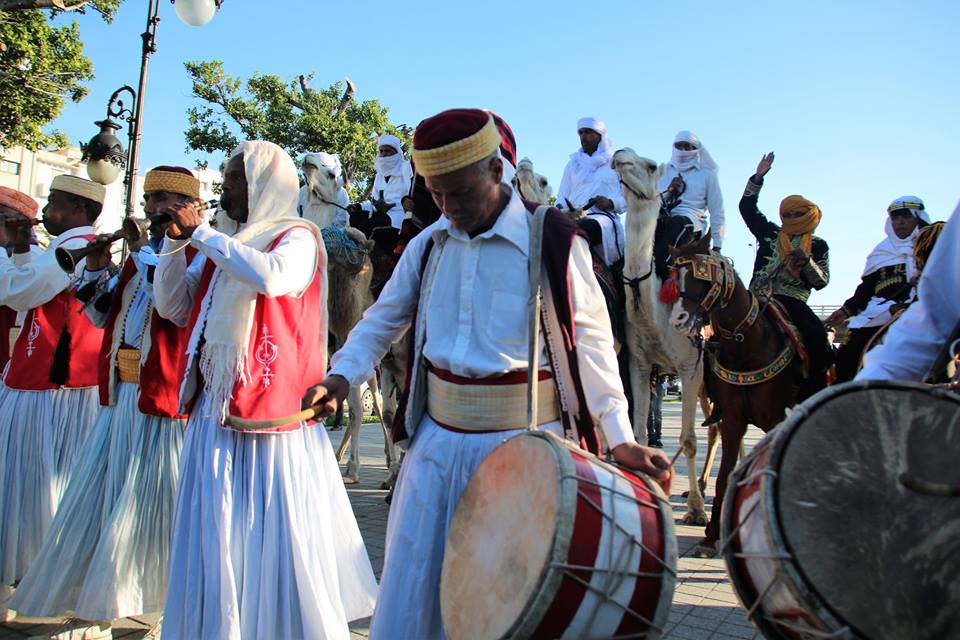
<point x="62" y="5"/>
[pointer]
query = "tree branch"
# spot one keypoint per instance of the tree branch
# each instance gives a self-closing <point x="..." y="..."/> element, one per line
<point x="60" y="5"/>
<point x="347" y="96"/>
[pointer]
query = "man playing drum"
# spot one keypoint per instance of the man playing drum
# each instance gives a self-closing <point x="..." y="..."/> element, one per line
<point x="461" y="287"/>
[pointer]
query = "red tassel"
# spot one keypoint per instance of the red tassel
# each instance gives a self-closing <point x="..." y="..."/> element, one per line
<point x="670" y="290"/>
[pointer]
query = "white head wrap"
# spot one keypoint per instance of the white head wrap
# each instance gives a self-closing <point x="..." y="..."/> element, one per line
<point x="395" y="165"/>
<point x="327" y="160"/>
<point x="684" y="160"/>
<point x="896" y="250"/>
<point x="604" y="153"/>
<point x="272" y="192"/>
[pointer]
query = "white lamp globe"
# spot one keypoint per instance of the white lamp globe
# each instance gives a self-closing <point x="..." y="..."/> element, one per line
<point x="102" y="171"/>
<point x="196" y="13"/>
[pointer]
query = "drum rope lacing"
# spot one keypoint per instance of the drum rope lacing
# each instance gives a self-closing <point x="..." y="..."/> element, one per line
<point x="617" y="558"/>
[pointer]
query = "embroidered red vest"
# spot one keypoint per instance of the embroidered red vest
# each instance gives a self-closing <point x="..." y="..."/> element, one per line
<point x="161" y="372"/>
<point x="286" y="351"/>
<point x="32" y="362"/>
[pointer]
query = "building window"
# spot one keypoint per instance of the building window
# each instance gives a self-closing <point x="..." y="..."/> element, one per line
<point x="8" y="166"/>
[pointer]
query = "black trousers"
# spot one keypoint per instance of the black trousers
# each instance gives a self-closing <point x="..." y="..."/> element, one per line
<point x="672" y="231"/>
<point x="848" y="359"/>
<point x="815" y="340"/>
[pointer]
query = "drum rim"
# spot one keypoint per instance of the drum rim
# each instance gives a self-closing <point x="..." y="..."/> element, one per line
<point x="775" y="441"/>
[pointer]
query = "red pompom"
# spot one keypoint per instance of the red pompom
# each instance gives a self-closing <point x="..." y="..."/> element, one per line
<point x="670" y="290"/>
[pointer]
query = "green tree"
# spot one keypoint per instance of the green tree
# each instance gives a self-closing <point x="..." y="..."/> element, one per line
<point x="41" y="66"/>
<point x="105" y="8"/>
<point x="291" y="114"/>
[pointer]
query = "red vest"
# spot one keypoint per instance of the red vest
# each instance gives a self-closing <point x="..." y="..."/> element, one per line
<point x="32" y="362"/>
<point x="161" y="372"/>
<point x="286" y="351"/>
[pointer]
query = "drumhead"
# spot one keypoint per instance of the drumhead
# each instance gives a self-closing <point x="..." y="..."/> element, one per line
<point x="880" y="555"/>
<point x="500" y="539"/>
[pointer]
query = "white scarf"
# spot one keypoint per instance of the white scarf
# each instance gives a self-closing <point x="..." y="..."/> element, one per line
<point x="699" y="157"/>
<point x="229" y="305"/>
<point x="895" y="250"/>
<point x="587" y="164"/>
<point x="395" y="167"/>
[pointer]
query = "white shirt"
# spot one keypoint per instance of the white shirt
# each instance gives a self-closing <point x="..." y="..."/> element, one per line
<point x="579" y="186"/>
<point x="477" y="318"/>
<point x="29" y="280"/>
<point x="273" y="273"/>
<point x="702" y="193"/>
<point x="136" y="315"/>
<point x="913" y="342"/>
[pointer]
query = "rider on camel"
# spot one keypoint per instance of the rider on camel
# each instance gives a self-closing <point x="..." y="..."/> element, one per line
<point x="886" y="285"/>
<point x="790" y="262"/>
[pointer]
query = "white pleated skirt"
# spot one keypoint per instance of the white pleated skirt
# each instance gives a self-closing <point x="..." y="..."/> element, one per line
<point x="434" y="474"/>
<point x="107" y="553"/>
<point x="41" y="434"/>
<point x="265" y="542"/>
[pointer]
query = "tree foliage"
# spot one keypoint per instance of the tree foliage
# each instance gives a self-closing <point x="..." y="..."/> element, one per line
<point x="41" y="67"/>
<point x="289" y="113"/>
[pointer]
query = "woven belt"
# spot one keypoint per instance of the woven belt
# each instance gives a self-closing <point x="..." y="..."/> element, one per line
<point x="14" y="334"/>
<point x="128" y="363"/>
<point x="492" y="404"/>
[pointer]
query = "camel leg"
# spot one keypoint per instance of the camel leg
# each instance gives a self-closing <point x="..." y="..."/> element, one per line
<point x="640" y="383"/>
<point x="731" y="435"/>
<point x="352" y="473"/>
<point x="389" y="412"/>
<point x="696" y="514"/>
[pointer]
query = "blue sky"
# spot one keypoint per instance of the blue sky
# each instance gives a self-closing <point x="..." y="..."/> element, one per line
<point x="858" y="99"/>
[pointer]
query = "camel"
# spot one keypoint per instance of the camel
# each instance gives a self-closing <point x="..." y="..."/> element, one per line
<point x="350" y="272"/>
<point x="322" y="197"/>
<point x="651" y="338"/>
<point x="531" y="186"/>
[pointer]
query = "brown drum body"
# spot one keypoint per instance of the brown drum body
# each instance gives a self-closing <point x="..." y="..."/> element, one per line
<point x="549" y="542"/>
<point x="840" y="523"/>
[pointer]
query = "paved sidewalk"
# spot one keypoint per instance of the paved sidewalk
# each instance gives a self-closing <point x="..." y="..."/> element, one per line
<point x="704" y="605"/>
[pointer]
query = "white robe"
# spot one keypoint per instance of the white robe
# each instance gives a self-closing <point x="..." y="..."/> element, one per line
<point x="265" y="543"/>
<point x="579" y="185"/>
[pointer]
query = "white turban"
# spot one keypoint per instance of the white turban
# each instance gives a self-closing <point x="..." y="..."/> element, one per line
<point x="604" y="152"/>
<point x="392" y="166"/>
<point x="684" y="160"/>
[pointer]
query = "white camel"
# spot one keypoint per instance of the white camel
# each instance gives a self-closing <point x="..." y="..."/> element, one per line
<point x="350" y="272"/>
<point x="531" y="186"/>
<point x="322" y="198"/>
<point x="651" y="339"/>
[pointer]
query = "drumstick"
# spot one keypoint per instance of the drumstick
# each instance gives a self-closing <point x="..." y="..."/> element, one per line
<point x="243" y="424"/>
<point x="676" y="456"/>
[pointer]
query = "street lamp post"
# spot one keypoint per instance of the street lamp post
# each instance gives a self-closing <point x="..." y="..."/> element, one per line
<point x="104" y="153"/>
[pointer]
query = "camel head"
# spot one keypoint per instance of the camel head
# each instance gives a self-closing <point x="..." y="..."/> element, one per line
<point x="531" y="186"/>
<point x="638" y="177"/>
<point x="321" y="180"/>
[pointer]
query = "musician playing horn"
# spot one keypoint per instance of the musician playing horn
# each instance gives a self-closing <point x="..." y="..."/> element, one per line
<point x="461" y="288"/>
<point x="20" y="209"/>
<point x="265" y="544"/>
<point x="107" y="552"/>
<point x="48" y="399"/>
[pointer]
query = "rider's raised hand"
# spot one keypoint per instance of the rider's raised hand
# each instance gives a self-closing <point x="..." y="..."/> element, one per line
<point x="766" y="163"/>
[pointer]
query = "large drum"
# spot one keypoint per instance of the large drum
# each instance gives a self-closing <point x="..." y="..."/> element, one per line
<point x="550" y="542"/>
<point x="844" y="522"/>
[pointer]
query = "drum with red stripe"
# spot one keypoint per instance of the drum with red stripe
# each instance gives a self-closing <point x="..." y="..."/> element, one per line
<point x="843" y="522"/>
<point x="550" y="542"/>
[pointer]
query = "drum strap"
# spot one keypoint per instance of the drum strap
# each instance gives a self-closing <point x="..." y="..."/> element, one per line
<point x="535" y="267"/>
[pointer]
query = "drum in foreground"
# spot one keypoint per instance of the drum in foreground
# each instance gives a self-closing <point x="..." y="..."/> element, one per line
<point x="844" y="522"/>
<point x="549" y="542"/>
